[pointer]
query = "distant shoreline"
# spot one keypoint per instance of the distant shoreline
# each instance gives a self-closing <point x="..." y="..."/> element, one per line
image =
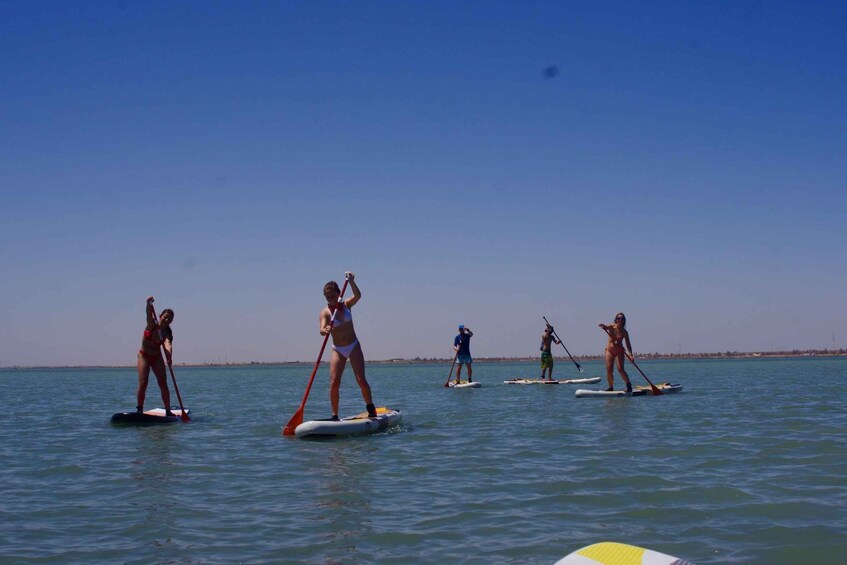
<point x="436" y="360"/>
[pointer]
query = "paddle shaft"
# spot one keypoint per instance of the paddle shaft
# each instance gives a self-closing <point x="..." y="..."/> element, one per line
<point x="563" y="345"/>
<point x="654" y="388"/>
<point x="456" y="356"/>
<point x="297" y="419"/>
<point x="185" y="417"/>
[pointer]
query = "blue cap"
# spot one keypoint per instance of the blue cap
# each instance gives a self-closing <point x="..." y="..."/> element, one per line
<point x="461" y="326"/>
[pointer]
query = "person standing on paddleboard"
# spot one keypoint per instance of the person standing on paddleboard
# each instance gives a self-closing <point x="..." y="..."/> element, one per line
<point x="547" y="338"/>
<point x="345" y="345"/>
<point x="614" y="350"/>
<point x="462" y="347"/>
<point x="156" y="336"/>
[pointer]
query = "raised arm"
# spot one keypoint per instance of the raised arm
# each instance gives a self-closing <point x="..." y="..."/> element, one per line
<point x="151" y="317"/>
<point x="357" y="294"/>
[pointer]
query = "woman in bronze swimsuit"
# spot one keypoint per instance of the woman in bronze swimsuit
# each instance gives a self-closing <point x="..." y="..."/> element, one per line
<point x="615" y="351"/>
<point x="156" y="336"/>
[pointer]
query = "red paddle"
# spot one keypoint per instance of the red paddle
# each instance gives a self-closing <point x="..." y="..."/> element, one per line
<point x="297" y="419"/>
<point x="185" y="417"/>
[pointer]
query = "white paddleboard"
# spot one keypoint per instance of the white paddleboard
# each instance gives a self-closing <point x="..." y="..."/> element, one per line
<point x="613" y="553"/>
<point x="587" y="381"/>
<point x="465" y="384"/>
<point x="666" y="388"/>
<point x="353" y="425"/>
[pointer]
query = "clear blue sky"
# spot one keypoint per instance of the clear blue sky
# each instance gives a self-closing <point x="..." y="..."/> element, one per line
<point x="686" y="165"/>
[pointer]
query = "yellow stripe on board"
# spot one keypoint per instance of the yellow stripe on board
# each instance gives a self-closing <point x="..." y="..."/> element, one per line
<point x="379" y="410"/>
<point x="611" y="553"/>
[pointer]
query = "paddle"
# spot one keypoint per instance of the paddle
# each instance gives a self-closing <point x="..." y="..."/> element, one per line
<point x="656" y="391"/>
<point x="456" y="356"/>
<point x="563" y="345"/>
<point x="297" y="418"/>
<point x="185" y="417"/>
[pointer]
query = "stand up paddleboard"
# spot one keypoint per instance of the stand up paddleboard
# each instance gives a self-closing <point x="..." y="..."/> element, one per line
<point x="612" y="553"/>
<point x="149" y="417"/>
<point x="465" y="384"/>
<point x="666" y="388"/>
<point x="588" y="381"/>
<point x="354" y="425"/>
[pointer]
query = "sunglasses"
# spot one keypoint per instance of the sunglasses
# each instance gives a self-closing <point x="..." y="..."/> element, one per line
<point x="620" y="318"/>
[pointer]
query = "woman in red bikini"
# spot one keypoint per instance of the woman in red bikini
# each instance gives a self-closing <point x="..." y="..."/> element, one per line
<point x="345" y="345"/>
<point x="156" y="336"/>
<point x="614" y="350"/>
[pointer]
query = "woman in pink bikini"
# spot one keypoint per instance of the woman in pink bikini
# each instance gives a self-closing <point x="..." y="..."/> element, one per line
<point x="156" y="336"/>
<point x="615" y="351"/>
<point x="345" y="345"/>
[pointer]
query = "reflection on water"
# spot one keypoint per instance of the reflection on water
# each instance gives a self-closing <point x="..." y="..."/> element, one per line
<point x="153" y="474"/>
<point x="345" y="497"/>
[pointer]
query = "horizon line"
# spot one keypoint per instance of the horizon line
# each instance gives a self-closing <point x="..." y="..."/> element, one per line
<point x="403" y="360"/>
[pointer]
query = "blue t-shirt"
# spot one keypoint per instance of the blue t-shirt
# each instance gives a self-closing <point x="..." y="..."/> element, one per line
<point x="465" y="347"/>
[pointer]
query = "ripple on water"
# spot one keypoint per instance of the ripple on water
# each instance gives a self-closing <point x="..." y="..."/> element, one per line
<point x="744" y="466"/>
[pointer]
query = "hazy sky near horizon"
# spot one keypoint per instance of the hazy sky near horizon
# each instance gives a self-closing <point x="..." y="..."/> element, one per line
<point x="483" y="163"/>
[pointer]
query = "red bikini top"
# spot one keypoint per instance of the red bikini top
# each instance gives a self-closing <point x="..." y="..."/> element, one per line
<point x="157" y="338"/>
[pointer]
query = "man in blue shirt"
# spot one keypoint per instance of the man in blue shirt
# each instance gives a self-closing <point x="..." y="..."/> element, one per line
<point x="462" y="346"/>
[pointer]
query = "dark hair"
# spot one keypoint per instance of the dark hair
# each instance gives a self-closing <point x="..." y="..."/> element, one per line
<point x="331" y="285"/>
<point x="168" y="311"/>
<point x="621" y="315"/>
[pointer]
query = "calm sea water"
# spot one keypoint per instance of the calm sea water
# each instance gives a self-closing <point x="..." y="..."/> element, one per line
<point x="746" y="465"/>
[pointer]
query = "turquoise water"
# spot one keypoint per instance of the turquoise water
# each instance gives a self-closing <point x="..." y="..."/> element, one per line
<point x="746" y="465"/>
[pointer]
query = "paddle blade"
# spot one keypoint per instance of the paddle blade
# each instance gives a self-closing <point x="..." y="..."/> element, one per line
<point x="185" y="418"/>
<point x="292" y="424"/>
<point x="656" y="391"/>
<point x="579" y="367"/>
